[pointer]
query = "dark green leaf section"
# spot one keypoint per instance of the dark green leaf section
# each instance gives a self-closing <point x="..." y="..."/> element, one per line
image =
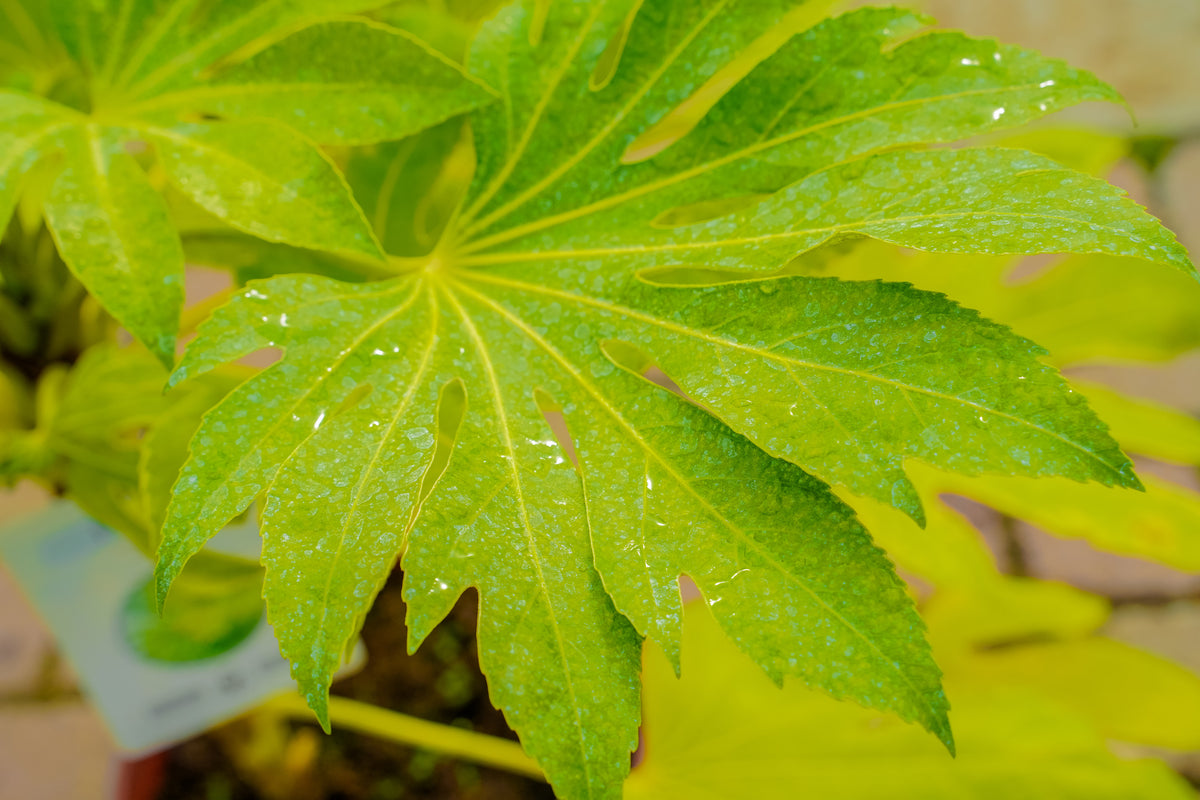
<point x="826" y="101"/>
<point x="84" y="27"/>
<point x="112" y="230"/>
<point x="339" y="82"/>
<point x="846" y="380"/>
<point x="265" y="179"/>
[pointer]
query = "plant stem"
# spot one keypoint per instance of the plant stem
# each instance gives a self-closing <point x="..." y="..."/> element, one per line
<point x="480" y="748"/>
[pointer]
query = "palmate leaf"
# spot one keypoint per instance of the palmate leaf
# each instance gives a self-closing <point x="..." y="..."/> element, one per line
<point x="420" y="415"/>
<point x="234" y="96"/>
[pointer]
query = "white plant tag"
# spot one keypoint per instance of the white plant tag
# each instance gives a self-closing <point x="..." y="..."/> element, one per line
<point x="154" y="681"/>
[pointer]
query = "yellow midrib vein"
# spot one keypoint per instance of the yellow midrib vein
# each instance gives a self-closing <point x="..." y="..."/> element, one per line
<point x="359" y="489"/>
<point x="531" y="543"/>
<point x="494" y="259"/>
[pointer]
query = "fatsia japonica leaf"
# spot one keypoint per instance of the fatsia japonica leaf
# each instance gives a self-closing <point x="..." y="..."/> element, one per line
<point x="508" y="474"/>
<point x="235" y="98"/>
<point x="486" y="414"/>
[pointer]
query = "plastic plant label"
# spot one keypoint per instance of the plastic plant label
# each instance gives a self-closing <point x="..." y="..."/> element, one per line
<point x="155" y="680"/>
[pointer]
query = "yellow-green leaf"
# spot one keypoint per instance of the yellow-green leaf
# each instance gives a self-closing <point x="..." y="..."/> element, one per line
<point x="723" y="731"/>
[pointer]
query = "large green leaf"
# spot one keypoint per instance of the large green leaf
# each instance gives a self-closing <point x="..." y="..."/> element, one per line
<point x="112" y="230"/>
<point x="934" y="200"/>
<point x="271" y="420"/>
<point x="485" y="412"/>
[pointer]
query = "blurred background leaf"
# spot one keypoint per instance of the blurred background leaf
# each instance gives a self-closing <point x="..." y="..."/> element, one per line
<point x="1030" y="723"/>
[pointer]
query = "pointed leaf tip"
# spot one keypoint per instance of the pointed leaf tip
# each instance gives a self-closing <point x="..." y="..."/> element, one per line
<point x="319" y="703"/>
<point x="945" y="735"/>
<point x="162" y="585"/>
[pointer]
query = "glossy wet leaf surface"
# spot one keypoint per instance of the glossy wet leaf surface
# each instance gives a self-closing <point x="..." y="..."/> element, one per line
<point x="336" y="82"/>
<point x="490" y="413"/>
